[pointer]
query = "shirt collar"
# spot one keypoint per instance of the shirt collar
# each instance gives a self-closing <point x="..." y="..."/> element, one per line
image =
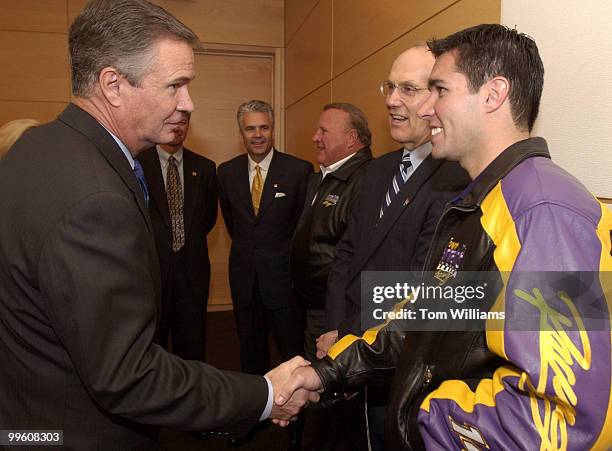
<point x="123" y="148"/>
<point x="163" y="156"/>
<point x="418" y="155"/>
<point x="263" y="164"/>
<point x="335" y="166"/>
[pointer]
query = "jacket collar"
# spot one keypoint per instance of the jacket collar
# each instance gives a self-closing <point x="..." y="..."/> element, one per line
<point x="345" y="171"/>
<point x="476" y="191"/>
<point x="84" y="123"/>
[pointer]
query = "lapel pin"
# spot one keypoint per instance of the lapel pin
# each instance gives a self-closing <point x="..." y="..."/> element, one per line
<point x="194" y="174"/>
<point x="276" y="185"/>
<point x="407" y="201"/>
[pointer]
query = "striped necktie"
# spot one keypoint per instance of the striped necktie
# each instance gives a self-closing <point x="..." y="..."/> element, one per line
<point x="399" y="179"/>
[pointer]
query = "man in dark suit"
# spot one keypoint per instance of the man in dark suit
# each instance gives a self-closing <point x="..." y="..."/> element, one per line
<point x="183" y="209"/>
<point x="262" y="194"/>
<point x="401" y="199"/>
<point x="79" y="276"/>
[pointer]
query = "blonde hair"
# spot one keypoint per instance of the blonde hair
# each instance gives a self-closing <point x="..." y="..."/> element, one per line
<point x="11" y="131"/>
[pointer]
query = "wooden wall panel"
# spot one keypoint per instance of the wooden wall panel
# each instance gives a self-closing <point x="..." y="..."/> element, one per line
<point x="41" y="111"/>
<point x="225" y="21"/>
<point x="308" y="56"/>
<point x="361" y="27"/>
<point x="35" y="67"/>
<point x="74" y="8"/>
<point x="301" y="119"/>
<point x="296" y="12"/>
<point x="222" y="83"/>
<point x="33" y="15"/>
<point x="360" y="84"/>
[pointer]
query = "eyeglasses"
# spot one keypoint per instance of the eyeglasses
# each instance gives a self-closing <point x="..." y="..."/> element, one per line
<point x="403" y="89"/>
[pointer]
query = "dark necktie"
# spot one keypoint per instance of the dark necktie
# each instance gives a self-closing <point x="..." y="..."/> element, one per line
<point x="139" y="173"/>
<point x="399" y="180"/>
<point x="174" y="194"/>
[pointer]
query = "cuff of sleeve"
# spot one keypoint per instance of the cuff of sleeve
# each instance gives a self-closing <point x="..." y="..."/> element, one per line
<point x="268" y="410"/>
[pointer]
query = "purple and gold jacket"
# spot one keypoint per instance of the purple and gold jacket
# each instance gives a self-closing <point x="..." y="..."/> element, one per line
<point x="541" y="378"/>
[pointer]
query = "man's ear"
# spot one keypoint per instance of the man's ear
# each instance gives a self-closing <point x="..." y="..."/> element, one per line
<point x="110" y="82"/>
<point x="497" y="91"/>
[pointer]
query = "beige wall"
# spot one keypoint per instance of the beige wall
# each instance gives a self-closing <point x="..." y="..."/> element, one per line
<point x="574" y="39"/>
<point x="35" y="77"/>
<point x="340" y="50"/>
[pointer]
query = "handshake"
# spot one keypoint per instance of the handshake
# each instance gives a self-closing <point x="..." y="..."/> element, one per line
<point x="295" y="385"/>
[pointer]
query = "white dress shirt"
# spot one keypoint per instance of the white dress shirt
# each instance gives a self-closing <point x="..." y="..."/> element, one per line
<point x="264" y="166"/>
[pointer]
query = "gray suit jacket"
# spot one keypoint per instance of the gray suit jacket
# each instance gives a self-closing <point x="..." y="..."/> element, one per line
<point x="79" y="289"/>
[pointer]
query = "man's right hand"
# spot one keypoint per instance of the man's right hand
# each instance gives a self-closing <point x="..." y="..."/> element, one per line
<point x="303" y="379"/>
<point x="295" y="398"/>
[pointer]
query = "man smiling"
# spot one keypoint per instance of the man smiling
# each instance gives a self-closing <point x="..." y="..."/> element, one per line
<point x="541" y="378"/>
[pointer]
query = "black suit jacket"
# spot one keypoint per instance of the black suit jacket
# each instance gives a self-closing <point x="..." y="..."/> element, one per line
<point x="79" y="289"/>
<point x="199" y="214"/>
<point x="261" y="245"/>
<point x="396" y="242"/>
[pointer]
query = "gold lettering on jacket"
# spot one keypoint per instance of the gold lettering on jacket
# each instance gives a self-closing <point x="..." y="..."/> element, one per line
<point x="557" y="353"/>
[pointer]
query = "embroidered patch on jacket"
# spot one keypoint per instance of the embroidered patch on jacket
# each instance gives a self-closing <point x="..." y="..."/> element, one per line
<point x="331" y="199"/>
<point x="450" y="261"/>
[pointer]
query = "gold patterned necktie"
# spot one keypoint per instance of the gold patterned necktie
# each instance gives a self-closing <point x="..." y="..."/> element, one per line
<point x="174" y="193"/>
<point x="256" y="189"/>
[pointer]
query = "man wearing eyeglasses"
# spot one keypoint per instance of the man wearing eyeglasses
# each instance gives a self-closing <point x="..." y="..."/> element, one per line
<point x="402" y="198"/>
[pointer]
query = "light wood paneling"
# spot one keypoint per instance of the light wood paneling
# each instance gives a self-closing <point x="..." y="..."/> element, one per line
<point x="225" y="21"/>
<point x="35" y="67"/>
<point x="296" y="12"/>
<point x="74" y="8"/>
<point x="308" y="56"/>
<point x="41" y="111"/>
<point x="301" y="119"/>
<point x="33" y="15"/>
<point x="223" y="82"/>
<point x="360" y="84"/>
<point x="361" y="26"/>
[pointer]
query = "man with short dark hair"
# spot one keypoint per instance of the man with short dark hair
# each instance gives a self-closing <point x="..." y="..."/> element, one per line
<point x="79" y="276"/>
<point x="539" y="374"/>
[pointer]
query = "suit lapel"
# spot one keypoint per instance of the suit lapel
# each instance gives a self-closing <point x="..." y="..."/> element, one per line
<point x="380" y="189"/>
<point x="403" y="200"/>
<point x="191" y="177"/>
<point x="243" y="187"/>
<point x="155" y="182"/>
<point x="273" y="181"/>
<point x="84" y="123"/>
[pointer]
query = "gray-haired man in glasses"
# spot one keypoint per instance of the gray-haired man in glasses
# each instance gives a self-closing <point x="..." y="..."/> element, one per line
<point x="401" y="200"/>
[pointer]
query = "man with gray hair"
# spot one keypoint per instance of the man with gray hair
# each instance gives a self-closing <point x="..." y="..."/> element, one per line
<point x="342" y="141"/>
<point x="79" y="276"/>
<point x="262" y="194"/>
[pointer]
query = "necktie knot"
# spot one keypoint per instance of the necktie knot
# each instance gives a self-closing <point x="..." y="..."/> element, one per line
<point x="139" y="173"/>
